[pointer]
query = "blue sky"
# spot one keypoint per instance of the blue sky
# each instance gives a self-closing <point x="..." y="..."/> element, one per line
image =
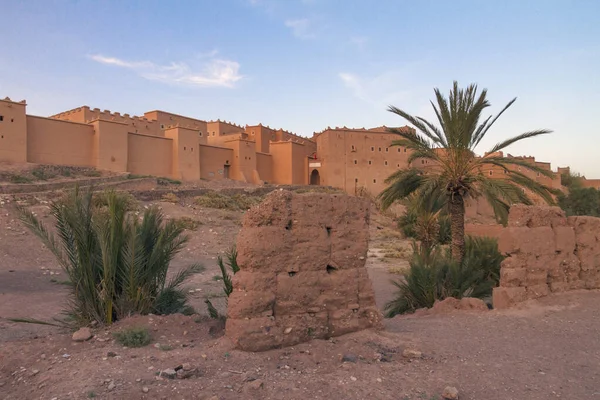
<point x="304" y="65"/>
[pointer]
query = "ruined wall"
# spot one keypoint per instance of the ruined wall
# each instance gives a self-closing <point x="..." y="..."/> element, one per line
<point x="302" y="271"/>
<point x="548" y="252"/>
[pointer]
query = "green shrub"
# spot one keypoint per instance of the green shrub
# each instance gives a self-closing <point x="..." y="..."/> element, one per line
<point x="433" y="275"/>
<point x="43" y="174"/>
<point x="133" y="337"/>
<point x="232" y="265"/>
<point x="15" y="178"/>
<point x="118" y="264"/>
<point x="167" y="181"/>
<point x="188" y="223"/>
<point x="581" y="201"/>
<point x="426" y="220"/>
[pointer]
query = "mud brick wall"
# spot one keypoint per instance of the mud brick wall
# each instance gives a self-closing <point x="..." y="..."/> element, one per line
<point x="548" y="252"/>
<point x="302" y="271"/>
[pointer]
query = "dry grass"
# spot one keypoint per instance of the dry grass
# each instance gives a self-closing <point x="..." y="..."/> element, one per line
<point x="188" y="223"/>
<point x="221" y="201"/>
<point x="170" y="198"/>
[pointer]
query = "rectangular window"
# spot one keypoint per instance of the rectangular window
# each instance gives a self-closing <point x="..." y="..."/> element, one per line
<point x="355" y="162"/>
<point x="355" y="180"/>
<point x="374" y="180"/>
<point x="1" y="118"/>
<point x="385" y="162"/>
<point x="405" y="149"/>
<point x="422" y="161"/>
<point x="398" y="149"/>
<point x="369" y="162"/>
<point x="491" y="173"/>
<point x="372" y="148"/>
<point x="380" y="149"/>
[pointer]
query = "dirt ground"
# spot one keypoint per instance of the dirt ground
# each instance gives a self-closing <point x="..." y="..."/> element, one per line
<point x="545" y="349"/>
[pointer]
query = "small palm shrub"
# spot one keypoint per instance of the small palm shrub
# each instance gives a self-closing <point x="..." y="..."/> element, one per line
<point x="434" y="275"/>
<point x="133" y="337"/>
<point x="117" y="263"/>
<point x="426" y="220"/>
<point x="232" y="265"/>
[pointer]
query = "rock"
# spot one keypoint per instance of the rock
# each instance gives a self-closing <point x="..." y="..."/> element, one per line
<point x="254" y="385"/>
<point x="353" y="378"/>
<point x="111" y="354"/>
<point x="168" y="373"/>
<point x="187" y="373"/>
<point x="111" y="386"/>
<point x="145" y="389"/>
<point x="82" y="335"/>
<point x="349" y="358"/>
<point x="450" y="393"/>
<point x="287" y="330"/>
<point x="411" y="353"/>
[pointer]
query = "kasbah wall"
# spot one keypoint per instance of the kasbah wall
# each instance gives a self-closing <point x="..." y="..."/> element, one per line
<point x="166" y="144"/>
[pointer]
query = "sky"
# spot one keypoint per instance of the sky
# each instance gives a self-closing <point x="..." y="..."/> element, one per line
<point x="305" y="65"/>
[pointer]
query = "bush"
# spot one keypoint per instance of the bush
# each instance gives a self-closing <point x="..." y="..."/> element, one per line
<point x="170" y="198"/>
<point x="221" y="201"/>
<point x="133" y="337"/>
<point x="188" y="223"/>
<point x="581" y="201"/>
<point x="426" y="221"/>
<point x="19" y="179"/>
<point x="118" y="264"/>
<point x="433" y="275"/>
<point x="167" y="181"/>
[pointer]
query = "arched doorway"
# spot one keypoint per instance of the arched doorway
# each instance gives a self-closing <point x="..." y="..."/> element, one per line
<point x="315" y="179"/>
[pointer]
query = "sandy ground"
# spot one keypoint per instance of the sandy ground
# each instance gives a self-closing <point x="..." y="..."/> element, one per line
<point x="545" y="349"/>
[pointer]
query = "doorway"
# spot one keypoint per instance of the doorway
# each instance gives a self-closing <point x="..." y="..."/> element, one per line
<point x="315" y="178"/>
<point x="226" y="171"/>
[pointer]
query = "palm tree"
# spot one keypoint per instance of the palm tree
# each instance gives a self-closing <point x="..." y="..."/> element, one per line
<point x="452" y="167"/>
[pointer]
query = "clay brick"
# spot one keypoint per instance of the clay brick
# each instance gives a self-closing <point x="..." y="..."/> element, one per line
<point x="242" y="304"/>
<point x="557" y="287"/>
<point x="259" y="334"/>
<point x="536" y="291"/>
<point x="536" y="216"/>
<point x="254" y="281"/>
<point x="505" y="297"/>
<point x="564" y="238"/>
<point x="535" y="278"/>
<point x="264" y="247"/>
<point x="275" y="210"/>
<point x="343" y="321"/>
<point x="512" y="277"/>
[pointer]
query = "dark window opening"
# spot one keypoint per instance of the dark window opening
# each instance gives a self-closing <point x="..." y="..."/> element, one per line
<point x="12" y="120"/>
<point x="355" y="179"/>
<point x="398" y="149"/>
<point x="372" y="148"/>
<point x="1" y="118"/>
<point x="355" y="162"/>
<point x="184" y="148"/>
<point x="405" y="149"/>
<point x="385" y="162"/>
<point x="387" y="149"/>
<point x="374" y="180"/>
<point x="380" y="149"/>
<point x="369" y="162"/>
<point x="422" y="161"/>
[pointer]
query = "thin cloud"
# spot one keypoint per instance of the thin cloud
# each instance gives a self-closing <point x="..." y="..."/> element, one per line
<point x="214" y="73"/>
<point x="376" y="91"/>
<point x="301" y="28"/>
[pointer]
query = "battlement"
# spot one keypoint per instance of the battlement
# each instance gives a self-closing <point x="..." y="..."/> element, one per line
<point x="8" y="100"/>
<point x="228" y="123"/>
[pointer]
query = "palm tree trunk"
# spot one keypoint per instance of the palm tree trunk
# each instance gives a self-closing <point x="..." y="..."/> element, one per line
<point x="457" y="220"/>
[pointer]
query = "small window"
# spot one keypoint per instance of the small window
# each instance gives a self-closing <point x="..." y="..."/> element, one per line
<point x="380" y="149"/>
<point x="162" y="126"/>
<point x="353" y="148"/>
<point x="1" y="118"/>
<point x="355" y="180"/>
<point x="385" y="162"/>
<point x="370" y="162"/>
<point x="200" y="133"/>
<point x="12" y="120"/>
<point x="192" y="149"/>
<point x="405" y="149"/>
<point x="355" y="162"/>
<point x="422" y="161"/>
<point x="387" y="149"/>
<point x="184" y="148"/>
<point x="398" y="165"/>
<point x="374" y="180"/>
<point x="398" y="149"/>
<point x="491" y="173"/>
<point x="372" y="148"/>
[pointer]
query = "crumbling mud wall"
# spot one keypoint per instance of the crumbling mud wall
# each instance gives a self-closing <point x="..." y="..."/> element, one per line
<point x="548" y="252"/>
<point x="302" y="271"/>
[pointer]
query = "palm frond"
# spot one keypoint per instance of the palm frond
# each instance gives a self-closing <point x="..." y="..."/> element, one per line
<point x="485" y="126"/>
<point x="526" y="135"/>
<point x="402" y="183"/>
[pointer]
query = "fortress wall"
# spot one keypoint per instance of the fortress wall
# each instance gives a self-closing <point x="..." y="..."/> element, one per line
<point x="52" y="141"/>
<point x="148" y="155"/>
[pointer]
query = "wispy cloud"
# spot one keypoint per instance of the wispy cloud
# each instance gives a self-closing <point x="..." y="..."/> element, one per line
<point x="302" y="28"/>
<point x="376" y="90"/>
<point x="213" y="73"/>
